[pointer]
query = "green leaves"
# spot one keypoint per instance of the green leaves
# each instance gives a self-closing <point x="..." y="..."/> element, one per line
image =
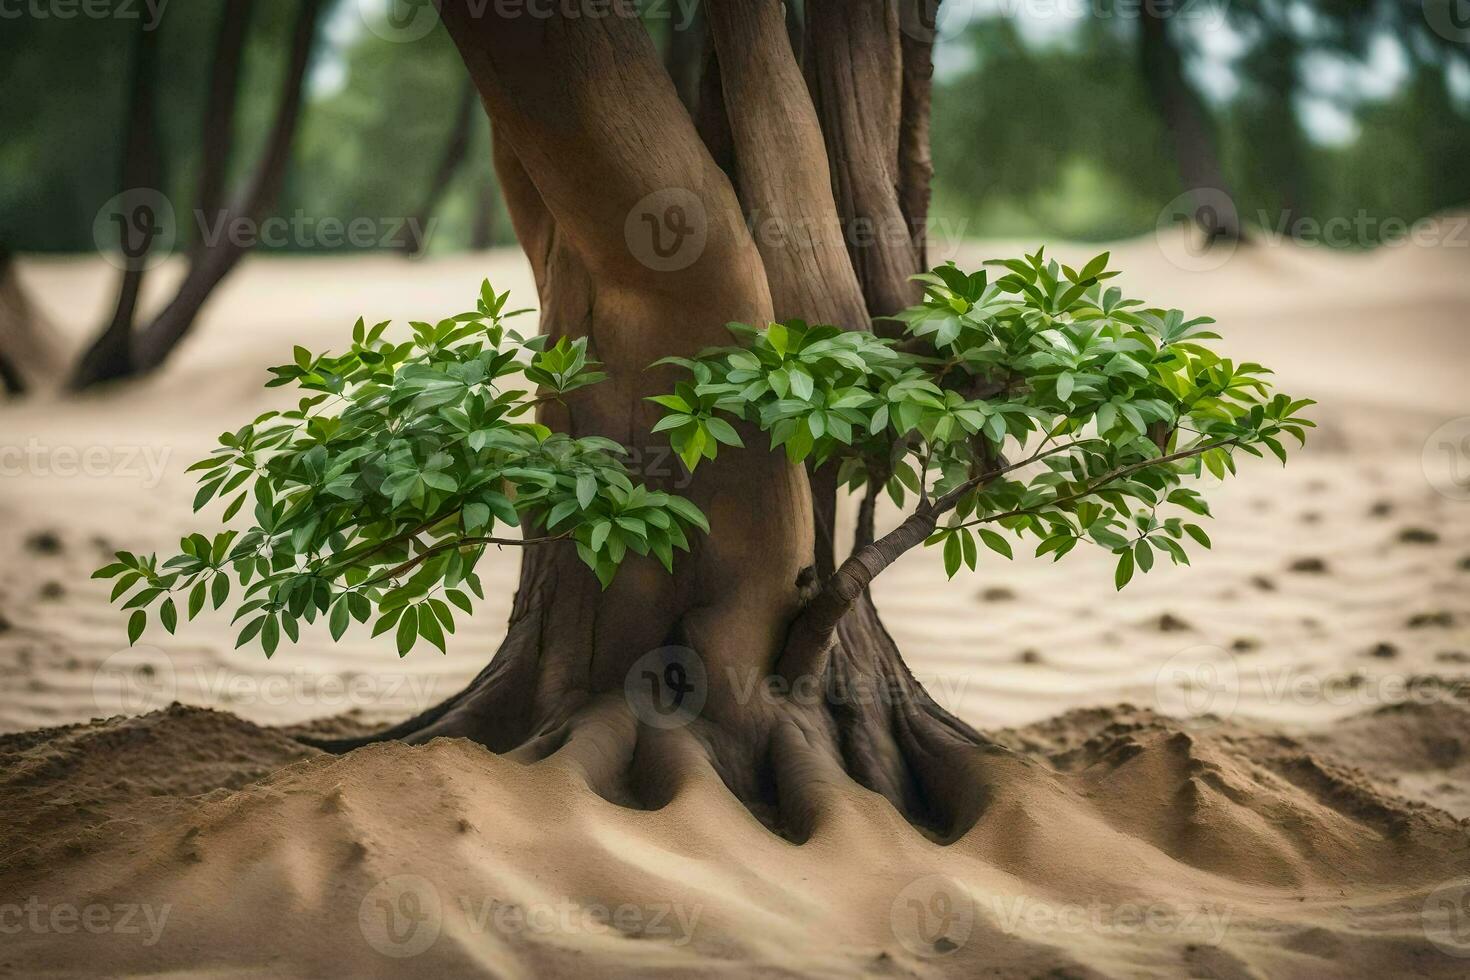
<point x="1025" y="400"/>
<point x="401" y="462"/>
<point x="1110" y="404"/>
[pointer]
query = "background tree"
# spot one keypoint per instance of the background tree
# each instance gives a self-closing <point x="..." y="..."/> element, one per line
<point x="122" y="349"/>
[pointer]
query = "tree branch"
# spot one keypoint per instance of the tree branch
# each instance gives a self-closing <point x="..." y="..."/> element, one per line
<point x="471" y="542"/>
<point x="809" y="641"/>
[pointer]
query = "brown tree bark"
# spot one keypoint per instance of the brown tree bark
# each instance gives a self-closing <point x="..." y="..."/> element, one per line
<point x="582" y="164"/>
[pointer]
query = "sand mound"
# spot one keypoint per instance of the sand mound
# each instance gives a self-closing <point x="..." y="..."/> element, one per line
<point x="1216" y="853"/>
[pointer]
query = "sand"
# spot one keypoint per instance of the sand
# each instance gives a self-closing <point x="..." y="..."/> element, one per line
<point x="1254" y="766"/>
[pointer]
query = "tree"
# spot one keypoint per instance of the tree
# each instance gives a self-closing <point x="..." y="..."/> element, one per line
<point x="1042" y="403"/>
<point x="29" y="353"/>
<point x="123" y="349"/>
<point x="456" y="149"/>
<point x="1183" y="113"/>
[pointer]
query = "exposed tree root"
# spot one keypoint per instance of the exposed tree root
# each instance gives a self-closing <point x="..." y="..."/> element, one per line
<point x="785" y="754"/>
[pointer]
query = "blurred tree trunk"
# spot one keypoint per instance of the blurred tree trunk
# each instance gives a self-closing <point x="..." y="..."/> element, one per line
<point x="123" y="351"/>
<point x="110" y="356"/>
<point x="1183" y="114"/>
<point x="482" y="230"/>
<point x="30" y="357"/>
<point x="451" y="159"/>
<point x="219" y="113"/>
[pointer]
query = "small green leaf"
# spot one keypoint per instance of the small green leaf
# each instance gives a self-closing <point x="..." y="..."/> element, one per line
<point x="586" y="490"/>
<point x="1124" y="572"/>
<point x="408" y="630"/>
<point x="429" y="628"/>
<point x="953" y="554"/>
<point x="136" y="622"/>
<point x="339" y="619"/>
<point x="996" y="543"/>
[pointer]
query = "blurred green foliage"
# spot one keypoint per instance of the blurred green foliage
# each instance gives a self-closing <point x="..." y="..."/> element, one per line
<point x="1034" y="136"/>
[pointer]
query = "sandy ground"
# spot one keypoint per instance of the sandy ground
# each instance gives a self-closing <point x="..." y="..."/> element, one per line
<point x="1285" y="799"/>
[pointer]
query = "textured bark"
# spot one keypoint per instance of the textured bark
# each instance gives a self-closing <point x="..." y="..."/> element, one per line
<point x="854" y="67"/>
<point x="915" y="165"/>
<point x="784" y="189"/>
<point x="1183" y="114"/>
<point x="577" y="160"/>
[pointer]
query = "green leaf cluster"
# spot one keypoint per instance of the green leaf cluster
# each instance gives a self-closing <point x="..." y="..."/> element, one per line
<point x="375" y="497"/>
<point x="1027" y="398"/>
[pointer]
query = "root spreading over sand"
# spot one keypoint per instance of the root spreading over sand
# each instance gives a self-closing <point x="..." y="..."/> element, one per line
<point x="1110" y="843"/>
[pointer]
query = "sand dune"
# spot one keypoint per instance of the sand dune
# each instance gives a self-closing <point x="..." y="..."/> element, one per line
<point x="1298" y="815"/>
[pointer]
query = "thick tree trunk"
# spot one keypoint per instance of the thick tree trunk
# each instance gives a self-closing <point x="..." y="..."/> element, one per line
<point x="578" y="191"/>
<point x="1183" y="114"/>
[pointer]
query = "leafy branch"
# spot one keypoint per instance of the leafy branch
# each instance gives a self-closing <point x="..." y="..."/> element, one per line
<point x="380" y="491"/>
<point x="991" y="369"/>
